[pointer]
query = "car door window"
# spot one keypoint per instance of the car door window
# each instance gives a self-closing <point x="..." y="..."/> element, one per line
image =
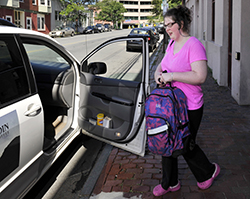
<point x="41" y="54"/>
<point x="117" y="93"/>
<point x="13" y="78"/>
<point x="121" y="64"/>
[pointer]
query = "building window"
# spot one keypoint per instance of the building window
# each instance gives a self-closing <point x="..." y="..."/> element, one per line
<point x="145" y="10"/>
<point x="213" y="20"/>
<point x="49" y="3"/>
<point x="129" y="2"/>
<point x="33" y="2"/>
<point x="17" y="18"/>
<point x="40" y="22"/>
<point x="58" y="17"/>
<point x="42" y="2"/>
<point x="9" y="18"/>
<point x="145" y="3"/>
<point x="131" y="18"/>
<point x="132" y="10"/>
<point x="21" y="1"/>
<point x="29" y="23"/>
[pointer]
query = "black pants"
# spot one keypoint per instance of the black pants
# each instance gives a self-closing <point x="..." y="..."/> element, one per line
<point x="196" y="159"/>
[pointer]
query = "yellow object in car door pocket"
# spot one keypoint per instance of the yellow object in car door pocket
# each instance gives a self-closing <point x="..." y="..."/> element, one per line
<point x="100" y="117"/>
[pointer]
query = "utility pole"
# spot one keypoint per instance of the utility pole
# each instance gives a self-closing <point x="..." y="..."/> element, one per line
<point x="165" y="8"/>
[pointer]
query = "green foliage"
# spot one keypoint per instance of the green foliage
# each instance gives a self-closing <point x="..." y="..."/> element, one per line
<point x="111" y="10"/>
<point x="79" y="2"/>
<point x="158" y="12"/>
<point x="174" y="3"/>
<point x="72" y="10"/>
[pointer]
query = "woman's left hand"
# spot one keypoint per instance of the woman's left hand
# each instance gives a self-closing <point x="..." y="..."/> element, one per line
<point x="167" y="77"/>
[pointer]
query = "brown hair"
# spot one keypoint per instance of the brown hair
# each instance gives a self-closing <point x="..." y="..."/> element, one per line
<point x="182" y="16"/>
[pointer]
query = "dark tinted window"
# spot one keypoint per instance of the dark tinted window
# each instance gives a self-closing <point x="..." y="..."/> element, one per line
<point x="13" y="79"/>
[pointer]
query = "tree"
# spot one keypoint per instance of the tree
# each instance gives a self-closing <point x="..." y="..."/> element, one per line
<point x="174" y="3"/>
<point x="72" y="11"/>
<point x="157" y="9"/>
<point x="79" y="2"/>
<point x="110" y="10"/>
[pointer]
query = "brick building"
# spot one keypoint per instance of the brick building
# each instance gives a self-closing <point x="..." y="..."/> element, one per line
<point x="28" y="14"/>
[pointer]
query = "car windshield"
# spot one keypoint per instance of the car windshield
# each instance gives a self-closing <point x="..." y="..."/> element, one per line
<point x="139" y="32"/>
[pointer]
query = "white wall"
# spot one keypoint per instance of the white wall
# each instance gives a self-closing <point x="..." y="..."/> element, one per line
<point x="241" y="43"/>
<point x="217" y="50"/>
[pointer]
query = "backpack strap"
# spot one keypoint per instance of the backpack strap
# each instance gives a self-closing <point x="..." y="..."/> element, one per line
<point x="171" y="43"/>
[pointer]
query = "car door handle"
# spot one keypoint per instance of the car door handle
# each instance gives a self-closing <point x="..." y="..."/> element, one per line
<point x="33" y="110"/>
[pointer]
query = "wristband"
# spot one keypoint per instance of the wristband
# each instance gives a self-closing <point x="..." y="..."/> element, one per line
<point x="172" y="76"/>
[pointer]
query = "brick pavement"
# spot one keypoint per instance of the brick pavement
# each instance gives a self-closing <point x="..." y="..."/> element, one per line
<point x="224" y="136"/>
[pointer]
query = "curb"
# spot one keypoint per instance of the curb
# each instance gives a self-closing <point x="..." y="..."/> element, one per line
<point x="90" y="183"/>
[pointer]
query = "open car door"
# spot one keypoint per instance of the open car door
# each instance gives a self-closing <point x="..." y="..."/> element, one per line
<point x="115" y="83"/>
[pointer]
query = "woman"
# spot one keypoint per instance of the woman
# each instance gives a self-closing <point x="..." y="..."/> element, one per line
<point x="186" y="65"/>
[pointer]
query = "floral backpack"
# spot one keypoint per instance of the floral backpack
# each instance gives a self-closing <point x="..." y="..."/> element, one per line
<point x="167" y="122"/>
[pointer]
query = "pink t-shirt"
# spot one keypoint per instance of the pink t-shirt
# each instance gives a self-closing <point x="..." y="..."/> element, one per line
<point x="192" y="51"/>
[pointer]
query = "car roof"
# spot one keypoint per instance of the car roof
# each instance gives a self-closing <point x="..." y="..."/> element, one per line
<point x="144" y="28"/>
<point x="5" y="22"/>
<point x="15" y="30"/>
<point x="139" y="29"/>
<point x="32" y="33"/>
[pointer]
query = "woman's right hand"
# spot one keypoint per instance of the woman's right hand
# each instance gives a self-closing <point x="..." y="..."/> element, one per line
<point x="158" y="76"/>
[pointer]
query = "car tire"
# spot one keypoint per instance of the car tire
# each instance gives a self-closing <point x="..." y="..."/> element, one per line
<point x="63" y="35"/>
<point x="72" y="34"/>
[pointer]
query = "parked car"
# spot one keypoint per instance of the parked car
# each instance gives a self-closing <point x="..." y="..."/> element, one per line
<point x="89" y="30"/>
<point x="160" y="28"/>
<point x="156" y="33"/>
<point x="62" y="32"/>
<point x="81" y="29"/>
<point x="48" y="98"/>
<point x="107" y="27"/>
<point x="6" y="22"/>
<point x="99" y="28"/>
<point x="135" y="45"/>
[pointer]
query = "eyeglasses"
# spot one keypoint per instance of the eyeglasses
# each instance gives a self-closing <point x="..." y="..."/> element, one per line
<point x="169" y="25"/>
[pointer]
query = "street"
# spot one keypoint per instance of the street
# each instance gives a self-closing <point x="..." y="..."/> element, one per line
<point x="81" y="45"/>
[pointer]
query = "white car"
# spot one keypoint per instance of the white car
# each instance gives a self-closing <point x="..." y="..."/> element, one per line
<point x="62" y="32"/>
<point x="47" y="98"/>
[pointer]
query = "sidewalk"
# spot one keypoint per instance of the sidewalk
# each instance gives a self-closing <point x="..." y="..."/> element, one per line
<point x="224" y="136"/>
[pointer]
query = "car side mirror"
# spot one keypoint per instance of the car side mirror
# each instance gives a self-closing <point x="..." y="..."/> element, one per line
<point x="97" y="68"/>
